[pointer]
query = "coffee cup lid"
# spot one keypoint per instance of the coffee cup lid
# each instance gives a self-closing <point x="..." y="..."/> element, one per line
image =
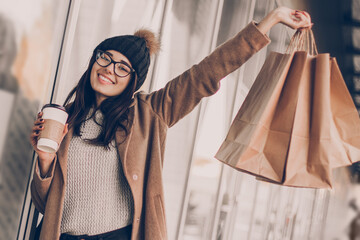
<point x="53" y="105"/>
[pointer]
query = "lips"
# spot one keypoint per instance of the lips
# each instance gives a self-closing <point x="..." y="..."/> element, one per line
<point x="104" y="80"/>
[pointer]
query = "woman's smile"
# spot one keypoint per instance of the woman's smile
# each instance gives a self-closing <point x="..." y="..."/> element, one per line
<point x="105" y="80"/>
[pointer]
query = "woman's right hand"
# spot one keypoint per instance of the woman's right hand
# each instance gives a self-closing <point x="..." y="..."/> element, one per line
<point x="45" y="159"/>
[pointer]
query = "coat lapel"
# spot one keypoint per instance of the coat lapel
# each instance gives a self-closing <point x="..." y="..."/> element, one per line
<point x="63" y="153"/>
<point x="124" y="144"/>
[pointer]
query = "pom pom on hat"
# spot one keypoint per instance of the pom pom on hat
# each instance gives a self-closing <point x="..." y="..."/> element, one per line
<point x="152" y="43"/>
<point x="137" y="48"/>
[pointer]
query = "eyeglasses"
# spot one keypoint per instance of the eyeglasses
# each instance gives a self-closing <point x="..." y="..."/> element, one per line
<point x="121" y="69"/>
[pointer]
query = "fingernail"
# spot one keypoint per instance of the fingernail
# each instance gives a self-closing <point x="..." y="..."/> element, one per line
<point x="41" y="127"/>
<point x="37" y="132"/>
<point x="41" y="120"/>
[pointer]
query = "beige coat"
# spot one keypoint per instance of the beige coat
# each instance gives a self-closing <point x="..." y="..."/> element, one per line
<point x="142" y="153"/>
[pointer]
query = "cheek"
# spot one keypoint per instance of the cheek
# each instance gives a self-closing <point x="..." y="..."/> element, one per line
<point x="93" y="75"/>
<point x="127" y="81"/>
<point x="123" y="82"/>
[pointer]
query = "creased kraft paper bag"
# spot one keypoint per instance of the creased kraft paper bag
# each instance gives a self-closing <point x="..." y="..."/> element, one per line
<point x="297" y="123"/>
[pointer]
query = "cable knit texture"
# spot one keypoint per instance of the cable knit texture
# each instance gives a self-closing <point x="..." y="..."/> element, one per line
<point x="98" y="197"/>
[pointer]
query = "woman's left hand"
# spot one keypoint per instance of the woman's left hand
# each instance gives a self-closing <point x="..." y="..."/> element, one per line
<point x="289" y="17"/>
<point x="293" y="18"/>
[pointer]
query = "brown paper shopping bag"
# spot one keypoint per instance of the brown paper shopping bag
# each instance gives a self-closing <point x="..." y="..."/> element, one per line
<point x="316" y="146"/>
<point x="299" y="135"/>
<point x="244" y="146"/>
<point x="345" y="116"/>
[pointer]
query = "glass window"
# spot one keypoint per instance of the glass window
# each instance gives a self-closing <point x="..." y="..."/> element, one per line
<point x="204" y="199"/>
<point x="28" y="48"/>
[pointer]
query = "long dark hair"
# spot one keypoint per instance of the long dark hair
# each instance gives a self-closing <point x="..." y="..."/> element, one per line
<point x="114" y="109"/>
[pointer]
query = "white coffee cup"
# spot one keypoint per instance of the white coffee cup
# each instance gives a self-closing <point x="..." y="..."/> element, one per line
<point x="55" y="117"/>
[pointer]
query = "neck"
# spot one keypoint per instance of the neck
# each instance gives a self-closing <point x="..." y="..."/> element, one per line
<point x="99" y="99"/>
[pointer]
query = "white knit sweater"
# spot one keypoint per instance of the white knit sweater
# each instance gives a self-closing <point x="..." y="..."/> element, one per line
<point x="98" y="198"/>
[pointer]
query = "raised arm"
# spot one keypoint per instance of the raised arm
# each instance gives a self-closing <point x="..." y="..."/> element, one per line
<point x="183" y="93"/>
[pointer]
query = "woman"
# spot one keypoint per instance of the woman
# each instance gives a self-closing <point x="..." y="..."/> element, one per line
<point x="105" y="181"/>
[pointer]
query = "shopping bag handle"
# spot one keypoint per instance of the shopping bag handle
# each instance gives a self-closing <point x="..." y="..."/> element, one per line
<point x="303" y="40"/>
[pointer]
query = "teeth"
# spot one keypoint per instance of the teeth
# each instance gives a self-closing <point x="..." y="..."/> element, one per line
<point x="105" y="79"/>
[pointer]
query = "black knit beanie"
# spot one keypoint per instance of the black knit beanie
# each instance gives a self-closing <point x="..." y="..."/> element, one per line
<point x="137" y="48"/>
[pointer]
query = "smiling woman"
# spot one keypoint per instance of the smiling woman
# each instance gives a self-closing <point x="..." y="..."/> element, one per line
<point x="108" y="77"/>
<point x="109" y="85"/>
<point x="106" y="178"/>
<point x="109" y="81"/>
<point x="200" y="197"/>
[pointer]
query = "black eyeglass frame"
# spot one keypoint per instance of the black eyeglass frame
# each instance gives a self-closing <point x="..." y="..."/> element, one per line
<point x="112" y="61"/>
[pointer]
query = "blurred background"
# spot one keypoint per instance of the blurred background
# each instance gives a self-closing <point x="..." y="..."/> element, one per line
<point x="45" y="46"/>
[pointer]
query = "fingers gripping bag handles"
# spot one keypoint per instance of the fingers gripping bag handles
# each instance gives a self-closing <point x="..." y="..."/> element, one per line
<point x="291" y="128"/>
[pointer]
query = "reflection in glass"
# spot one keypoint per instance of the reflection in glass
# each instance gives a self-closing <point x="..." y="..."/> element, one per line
<point x="225" y="204"/>
<point x="207" y="176"/>
<point x="25" y="56"/>
<point x="186" y="39"/>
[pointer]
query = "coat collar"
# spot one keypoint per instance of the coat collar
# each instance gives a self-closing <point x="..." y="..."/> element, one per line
<point x="123" y="144"/>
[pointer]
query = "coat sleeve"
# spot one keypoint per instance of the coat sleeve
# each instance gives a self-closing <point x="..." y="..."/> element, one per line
<point x="183" y="93"/>
<point x="40" y="186"/>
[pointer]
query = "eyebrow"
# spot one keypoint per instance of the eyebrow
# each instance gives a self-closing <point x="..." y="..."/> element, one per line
<point x="121" y="61"/>
<point x="111" y="55"/>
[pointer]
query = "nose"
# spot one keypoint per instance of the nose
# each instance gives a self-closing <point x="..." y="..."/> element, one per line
<point x="110" y="68"/>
